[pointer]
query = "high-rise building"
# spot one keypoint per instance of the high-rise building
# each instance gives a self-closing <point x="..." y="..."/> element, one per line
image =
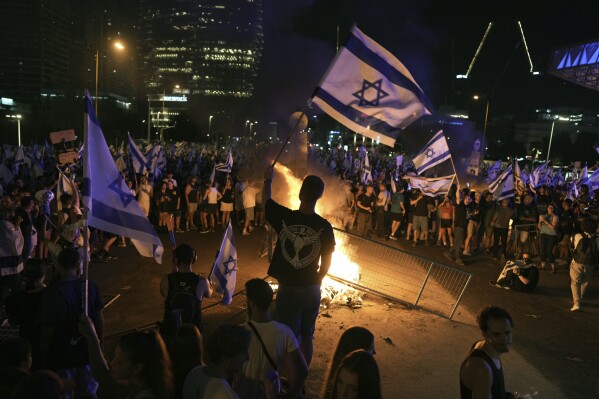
<point x="34" y="48"/>
<point x="210" y="48"/>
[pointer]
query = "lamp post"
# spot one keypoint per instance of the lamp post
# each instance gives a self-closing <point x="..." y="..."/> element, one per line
<point x="210" y="125"/>
<point x="18" y="117"/>
<point x="117" y="45"/>
<point x="484" y="143"/>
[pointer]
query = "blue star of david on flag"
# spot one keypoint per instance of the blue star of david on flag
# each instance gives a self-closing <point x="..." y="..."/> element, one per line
<point x="430" y="153"/>
<point x="367" y="88"/>
<point x="125" y="197"/>
<point x="228" y="269"/>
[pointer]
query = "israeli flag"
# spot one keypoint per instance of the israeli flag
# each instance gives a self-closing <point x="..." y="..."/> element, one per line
<point x="538" y="177"/>
<point x="593" y="181"/>
<point x="432" y="187"/>
<point x="572" y="192"/>
<point x="119" y="160"/>
<point x="19" y="160"/>
<point x="111" y="206"/>
<point x="503" y="186"/>
<point x="520" y="178"/>
<point x="433" y="153"/>
<point x="398" y="166"/>
<point x="224" y="270"/>
<point x="227" y="166"/>
<point x="370" y="91"/>
<point x="367" y="172"/>
<point x="582" y="178"/>
<point x="137" y="157"/>
<point x="493" y="172"/>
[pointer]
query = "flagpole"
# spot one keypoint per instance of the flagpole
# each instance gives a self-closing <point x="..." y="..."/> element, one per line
<point x="290" y="135"/>
<point x="454" y="171"/>
<point x="85" y="291"/>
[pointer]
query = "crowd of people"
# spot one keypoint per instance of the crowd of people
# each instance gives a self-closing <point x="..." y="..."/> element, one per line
<point x="59" y="351"/>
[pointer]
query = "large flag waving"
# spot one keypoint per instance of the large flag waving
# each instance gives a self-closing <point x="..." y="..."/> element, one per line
<point x="432" y="187"/>
<point x="493" y="172"/>
<point x="503" y="186"/>
<point x="224" y="271"/>
<point x="370" y="91"/>
<point x="433" y="153"/>
<point x="367" y="172"/>
<point x="136" y="156"/>
<point x="519" y="179"/>
<point x="111" y="206"/>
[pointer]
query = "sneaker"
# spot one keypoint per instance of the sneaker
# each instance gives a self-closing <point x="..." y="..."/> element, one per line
<point x="415" y="244"/>
<point x="460" y="262"/>
<point x="203" y="231"/>
<point x="448" y="256"/>
<point x="575" y="308"/>
<point x="179" y="231"/>
<point x="194" y="227"/>
<point x="245" y="233"/>
<point x="393" y="238"/>
<point x="466" y="253"/>
<point x="107" y="256"/>
<point x="494" y="284"/>
<point x="122" y="244"/>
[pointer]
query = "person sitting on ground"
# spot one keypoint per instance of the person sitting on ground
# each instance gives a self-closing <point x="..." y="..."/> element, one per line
<point x="521" y="275"/>
<point x="354" y="338"/>
<point x="140" y="361"/>
<point x="183" y="291"/>
<point x="357" y="377"/>
<point x="227" y="352"/>
<point x="273" y="346"/>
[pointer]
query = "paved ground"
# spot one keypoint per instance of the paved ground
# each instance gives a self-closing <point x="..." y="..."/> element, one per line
<point x="555" y="352"/>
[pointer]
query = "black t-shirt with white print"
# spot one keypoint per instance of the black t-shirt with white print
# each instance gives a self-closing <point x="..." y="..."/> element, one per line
<point x="302" y="240"/>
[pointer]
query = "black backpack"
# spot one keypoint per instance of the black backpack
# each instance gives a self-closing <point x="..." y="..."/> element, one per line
<point x="585" y="252"/>
<point x="182" y="300"/>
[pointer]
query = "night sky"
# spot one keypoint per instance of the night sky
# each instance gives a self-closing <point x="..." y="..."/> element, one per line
<point x="435" y="40"/>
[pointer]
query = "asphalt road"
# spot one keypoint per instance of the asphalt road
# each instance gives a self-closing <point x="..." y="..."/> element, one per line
<point x="562" y="345"/>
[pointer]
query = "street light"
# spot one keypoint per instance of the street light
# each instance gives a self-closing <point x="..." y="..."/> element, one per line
<point x="210" y="125"/>
<point x="18" y="117"/>
<point x="484" y="143"/>
<point x="117" y="45"/>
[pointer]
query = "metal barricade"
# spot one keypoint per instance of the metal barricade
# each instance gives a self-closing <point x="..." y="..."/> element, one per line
<point x="525" y="239"/>
<point x="399" y="275"/>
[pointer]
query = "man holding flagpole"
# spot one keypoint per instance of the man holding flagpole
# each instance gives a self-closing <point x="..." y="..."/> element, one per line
<point x="301" y="258"/>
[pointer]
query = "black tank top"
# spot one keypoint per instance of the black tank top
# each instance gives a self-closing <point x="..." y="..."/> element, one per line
<point x="193" y="194"/>
<point x="498" y="387"/>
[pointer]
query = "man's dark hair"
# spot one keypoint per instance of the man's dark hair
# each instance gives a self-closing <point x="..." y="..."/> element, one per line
<point x="66" y="197"/>
<point x="492" y="313"/>
<point x="185" y="253"/>
<point x="259" y="292"/>
<point x="69" y="259"/>
<point x="312" y="188"/>
<point x="227" y="341"/>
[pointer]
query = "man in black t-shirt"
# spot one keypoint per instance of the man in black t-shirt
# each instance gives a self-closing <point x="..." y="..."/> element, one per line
<point x="301" y="258"/>
<point x="366" y="203"/>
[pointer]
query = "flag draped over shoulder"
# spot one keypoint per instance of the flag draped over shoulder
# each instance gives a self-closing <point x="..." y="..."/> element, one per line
<point x="370" y="91"/>
<point x="110" y="203"/>
<point x="503" y="186"/>
<point x="433" y="153"/>
<point x="138" y="159"/>
<point x="432" y="187"/>
<point x="224" y="270"/>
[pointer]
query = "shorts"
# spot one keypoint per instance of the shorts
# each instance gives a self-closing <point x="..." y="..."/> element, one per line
<point x="472" y="227"/>
<point x="210" y="209"/>
<point x="226" y="206"/>
<point x="192" y="207"/>
<point x="446" y="223"/>
<point x="249" y="213"/>
<point x="420" y="223"/>
<point x="297" y="307"/>
<point x="396" y="217"/>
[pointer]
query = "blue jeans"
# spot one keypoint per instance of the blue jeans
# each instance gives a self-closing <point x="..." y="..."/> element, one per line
<point x="297" y="307"/>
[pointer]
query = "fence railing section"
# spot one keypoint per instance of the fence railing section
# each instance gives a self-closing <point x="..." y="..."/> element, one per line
<point x="524" y="238"/>
<point x="399" y="275"/>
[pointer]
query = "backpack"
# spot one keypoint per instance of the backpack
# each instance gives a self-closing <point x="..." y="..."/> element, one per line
<point x="585" y="252"/>
<point x="182" y="301"/>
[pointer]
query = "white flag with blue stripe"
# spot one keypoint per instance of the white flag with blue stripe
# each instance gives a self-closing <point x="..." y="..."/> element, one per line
<point x="138" y="159"/>
<point x="370" y="91"/>
<point x="224" y="270"/>
<point x="503" y="186"/>
<point x="432" y="187"/>
<point x="433" y="153"/>
<point x="593" y="181"/>
<point x="227" y="166"/>
<point x="111" y="206"/>
<point x="367" y="172"/>
<point x="493" y="172"/>
<point x="19" y="160"/>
